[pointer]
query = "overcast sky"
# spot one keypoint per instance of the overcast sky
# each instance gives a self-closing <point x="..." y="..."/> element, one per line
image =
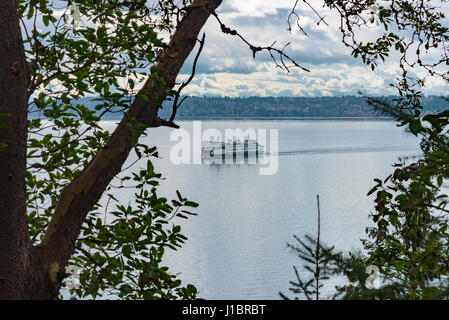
<point x="226" y="66"/>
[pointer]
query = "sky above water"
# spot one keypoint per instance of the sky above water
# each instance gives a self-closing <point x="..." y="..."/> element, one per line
<point x="226" y="66"/>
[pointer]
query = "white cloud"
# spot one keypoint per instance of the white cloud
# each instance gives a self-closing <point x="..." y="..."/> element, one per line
<point x="227" y="68"/>
<point x="337" y="80"/>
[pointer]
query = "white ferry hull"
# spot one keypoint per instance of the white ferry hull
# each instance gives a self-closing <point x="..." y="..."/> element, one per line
<point x="219" y="150"/>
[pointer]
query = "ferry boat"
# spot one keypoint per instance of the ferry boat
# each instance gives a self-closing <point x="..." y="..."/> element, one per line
<point x="235" y="148"/>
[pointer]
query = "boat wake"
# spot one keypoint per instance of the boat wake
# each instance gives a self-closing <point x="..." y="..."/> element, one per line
<point x="345" y="149"/>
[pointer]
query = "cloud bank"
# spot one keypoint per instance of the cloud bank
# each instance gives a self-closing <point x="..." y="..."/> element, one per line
<point x="227" y="68"/>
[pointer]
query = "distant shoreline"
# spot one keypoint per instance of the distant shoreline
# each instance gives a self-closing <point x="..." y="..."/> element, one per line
<point x="286" y="118"/>
<point x="265" y="119"/>
<point x="271" y="118"/>
<point x="347" y="108"/>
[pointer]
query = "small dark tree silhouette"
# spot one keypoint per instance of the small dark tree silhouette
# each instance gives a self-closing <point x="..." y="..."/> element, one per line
<point x="318" y="260"/>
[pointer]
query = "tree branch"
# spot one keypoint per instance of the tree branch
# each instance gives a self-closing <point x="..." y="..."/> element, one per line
<point x="175" y="102"/>
<point x="271" y="49"/>
<point x="78" y="198"/>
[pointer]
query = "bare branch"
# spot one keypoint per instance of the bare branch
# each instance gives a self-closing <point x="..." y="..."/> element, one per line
<point x="294" y="14"/>
<point x="175" y="102"/>
<point x="255" y="49"/>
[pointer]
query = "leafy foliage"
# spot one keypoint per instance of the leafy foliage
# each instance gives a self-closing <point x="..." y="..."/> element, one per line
<point x="412" y="28"/>
<point x="409" y="242"/>
<point x="121" y="251"/>
<point x="82" y="48"/>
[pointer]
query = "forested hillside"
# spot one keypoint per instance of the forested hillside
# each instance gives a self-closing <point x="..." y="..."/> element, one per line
<point x="266" y="107"/>
<point x="274" y="107"/>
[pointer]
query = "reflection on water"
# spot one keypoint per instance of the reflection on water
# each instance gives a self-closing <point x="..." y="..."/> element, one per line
<point x="237" y="244"/>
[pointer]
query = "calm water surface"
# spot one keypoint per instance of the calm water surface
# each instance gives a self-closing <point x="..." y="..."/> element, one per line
<point x="237" y="244"/>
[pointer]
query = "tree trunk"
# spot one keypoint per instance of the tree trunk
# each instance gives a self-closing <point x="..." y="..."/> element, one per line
<point x="14" y="237"/>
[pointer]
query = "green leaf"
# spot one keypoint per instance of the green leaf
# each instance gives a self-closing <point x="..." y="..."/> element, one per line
<point x="191" y="204"/>
<point x="440" y="180"/>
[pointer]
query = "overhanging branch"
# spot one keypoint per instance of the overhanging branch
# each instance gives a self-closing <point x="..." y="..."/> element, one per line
<point x="280" y="62"/>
